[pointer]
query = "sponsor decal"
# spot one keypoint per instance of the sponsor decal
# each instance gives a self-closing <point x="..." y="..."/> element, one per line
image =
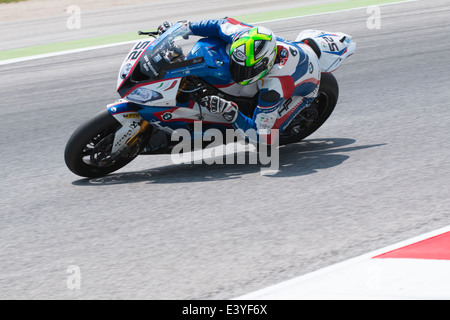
<point x="283" y="54"/>
<point x="131" y="115"/>
<point x="293" y="51"/>
<point x="239" y="55"/>
<point x="311" y="67"/>
<point x="128" y="134"/>
<point x="167" y="116"/>
<point x="282" y="111"/>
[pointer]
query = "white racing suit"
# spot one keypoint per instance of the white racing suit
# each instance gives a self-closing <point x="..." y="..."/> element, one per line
<point x="291" y="85"/>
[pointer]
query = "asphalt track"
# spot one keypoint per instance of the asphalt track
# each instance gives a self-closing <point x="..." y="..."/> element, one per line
<point x="376" y="173"/>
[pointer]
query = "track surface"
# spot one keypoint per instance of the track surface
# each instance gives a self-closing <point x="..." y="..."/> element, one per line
<point x="376" y="173"/>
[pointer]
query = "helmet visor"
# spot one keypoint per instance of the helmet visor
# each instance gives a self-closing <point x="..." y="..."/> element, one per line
<point x="240" y="73"/>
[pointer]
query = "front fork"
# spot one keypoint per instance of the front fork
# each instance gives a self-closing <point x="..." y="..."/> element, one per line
<point x="128" y="139"/>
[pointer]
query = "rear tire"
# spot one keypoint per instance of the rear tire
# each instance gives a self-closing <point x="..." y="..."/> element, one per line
<point x="88" y="150"/>
<point x="313" y="117"/>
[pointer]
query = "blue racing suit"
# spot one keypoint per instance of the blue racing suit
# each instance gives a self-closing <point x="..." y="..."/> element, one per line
<point x="291" y="85"/>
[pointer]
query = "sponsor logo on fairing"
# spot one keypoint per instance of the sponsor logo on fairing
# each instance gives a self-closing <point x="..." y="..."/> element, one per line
<point x="167" y="116"/>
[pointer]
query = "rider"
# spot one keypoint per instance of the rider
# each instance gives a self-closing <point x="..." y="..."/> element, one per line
<point x="285" y="73"/>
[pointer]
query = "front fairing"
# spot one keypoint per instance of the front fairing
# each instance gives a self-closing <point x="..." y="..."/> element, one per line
<point x="149" y="60"/>
<point x="151" y="73"/>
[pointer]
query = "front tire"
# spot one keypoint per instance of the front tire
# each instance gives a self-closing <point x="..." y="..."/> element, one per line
<point x="88" y="150"/>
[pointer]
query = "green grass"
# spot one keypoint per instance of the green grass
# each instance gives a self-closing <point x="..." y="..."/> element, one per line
<point x="313" y="9"/>
<point x="8" y="1"/>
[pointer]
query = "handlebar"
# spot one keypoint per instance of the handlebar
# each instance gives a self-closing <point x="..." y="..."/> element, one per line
<point x="148" y="33"/>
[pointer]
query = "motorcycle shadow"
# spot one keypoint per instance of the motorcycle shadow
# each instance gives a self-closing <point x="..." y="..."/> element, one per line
<point x="299" y="159"/>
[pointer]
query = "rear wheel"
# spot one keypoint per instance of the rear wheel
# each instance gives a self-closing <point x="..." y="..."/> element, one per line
<point x="313" y="117"/>
<point x="88" y="150"/>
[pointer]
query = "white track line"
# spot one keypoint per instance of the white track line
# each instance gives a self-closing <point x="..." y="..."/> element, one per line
<point x="60" y="53"/>
<point x="350" y="279"/>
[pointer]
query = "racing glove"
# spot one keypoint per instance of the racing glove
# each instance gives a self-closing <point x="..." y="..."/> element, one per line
<point x="163" y="27"/>
<point x="215" y="104"/>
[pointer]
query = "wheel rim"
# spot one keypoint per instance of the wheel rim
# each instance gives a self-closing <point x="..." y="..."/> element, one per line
<point x="97" y="152"/>
<point x="308" y="117"/>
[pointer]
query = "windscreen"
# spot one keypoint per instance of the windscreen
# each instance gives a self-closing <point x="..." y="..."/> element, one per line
<point x="165" y="54"/>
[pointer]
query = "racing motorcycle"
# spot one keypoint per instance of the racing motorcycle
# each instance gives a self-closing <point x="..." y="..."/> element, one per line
<point x="162" y="81"/>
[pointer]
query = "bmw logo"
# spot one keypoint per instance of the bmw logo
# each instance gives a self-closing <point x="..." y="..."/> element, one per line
<point x="167" y="116"/>
<point x="311" y="68"/>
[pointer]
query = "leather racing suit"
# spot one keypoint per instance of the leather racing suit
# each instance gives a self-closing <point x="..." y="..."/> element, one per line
<point x="291" y="85"/>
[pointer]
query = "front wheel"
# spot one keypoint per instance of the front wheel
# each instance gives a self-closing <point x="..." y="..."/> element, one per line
<point x="313" y="117"/>
<point x="88" y="150"/>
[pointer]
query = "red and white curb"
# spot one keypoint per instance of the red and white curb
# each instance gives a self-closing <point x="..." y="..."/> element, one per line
<point x="418" y="268"/>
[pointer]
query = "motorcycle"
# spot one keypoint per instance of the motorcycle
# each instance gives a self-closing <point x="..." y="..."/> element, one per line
<point x="162" y="82"/>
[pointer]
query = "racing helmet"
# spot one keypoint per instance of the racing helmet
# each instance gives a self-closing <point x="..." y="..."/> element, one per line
<point x="252" y="55"/>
